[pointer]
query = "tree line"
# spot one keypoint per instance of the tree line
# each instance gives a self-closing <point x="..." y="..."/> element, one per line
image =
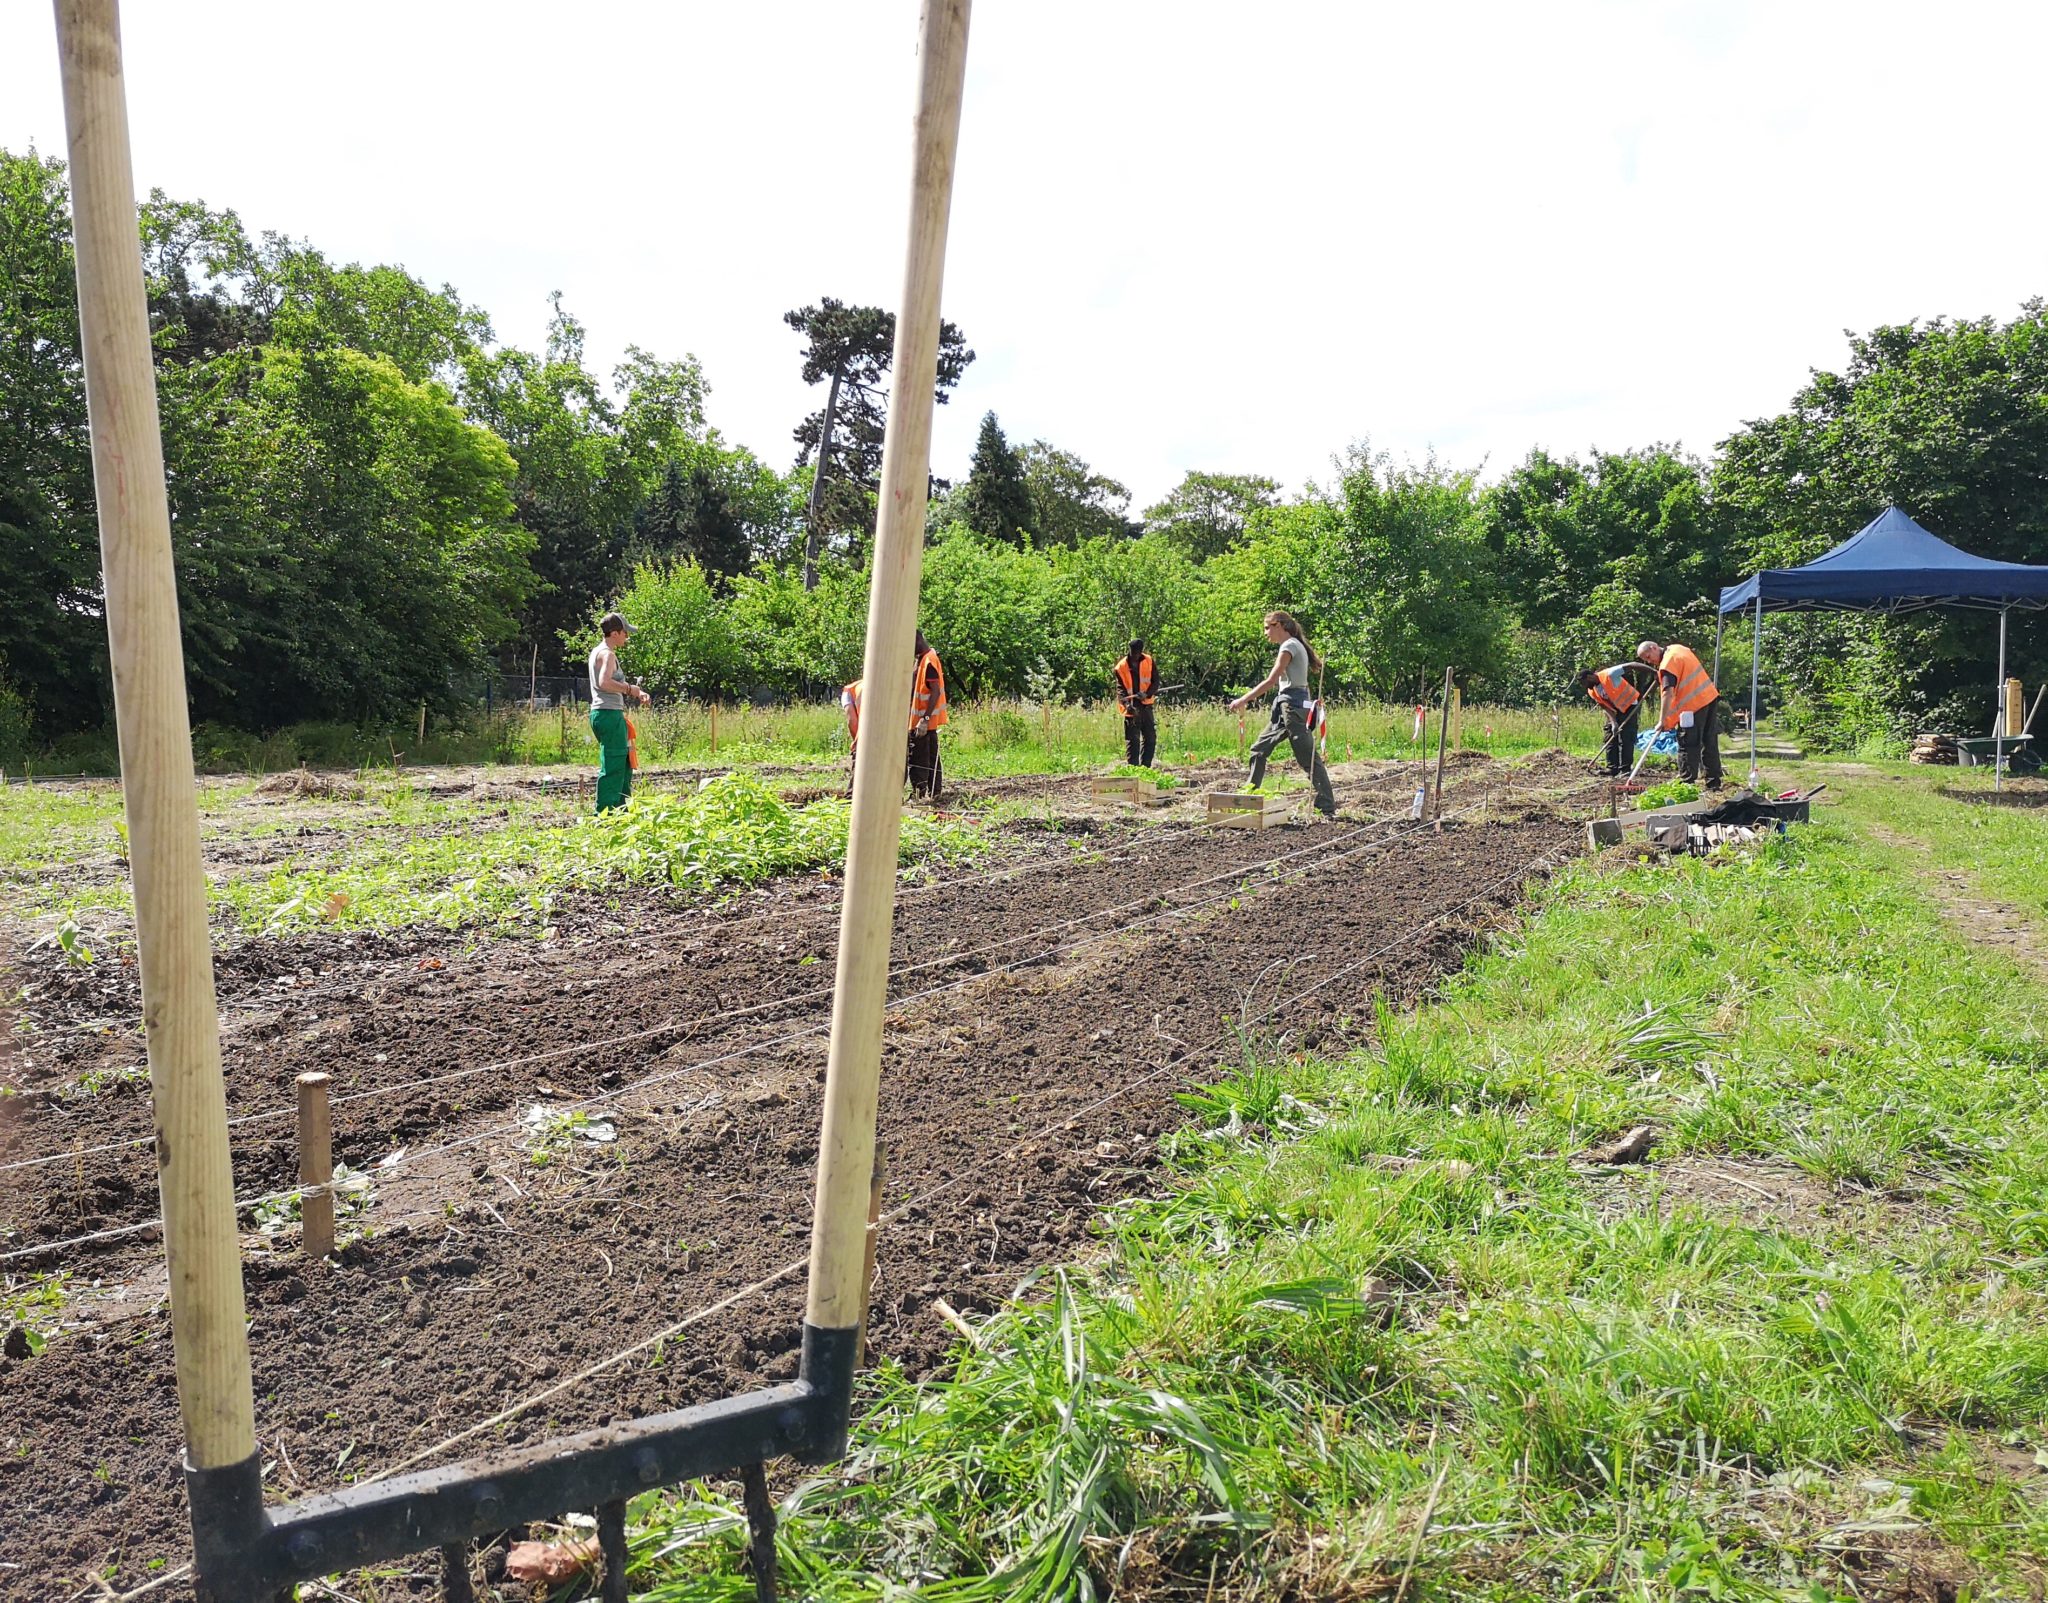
<point x="372" y="496"/>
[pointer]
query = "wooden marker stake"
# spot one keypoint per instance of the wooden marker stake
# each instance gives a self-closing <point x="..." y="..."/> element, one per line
<point x="867" y="1273"/>
<point x="714" y="728"/>
<point x="846" y="1148"/>
<point x="1442" y="729"/>
<point x="209" y="1338"/>
<point x="316" y="1166"/>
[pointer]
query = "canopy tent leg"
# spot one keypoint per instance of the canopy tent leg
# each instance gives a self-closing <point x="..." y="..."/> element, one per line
<point x="1998" y="705"/>
<point x="1756" y="652"/>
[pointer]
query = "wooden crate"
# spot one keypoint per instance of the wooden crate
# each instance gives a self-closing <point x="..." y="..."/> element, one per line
<point x="1122" y="788"/>
<point x="1248" y="809"/>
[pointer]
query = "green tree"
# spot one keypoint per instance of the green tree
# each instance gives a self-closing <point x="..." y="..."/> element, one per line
<point x="800" y="641"/>
<point x="1947" y="421"/>
<point x="345" y="539"/>
<point x="1401" y="583"/>
<point x="683" y="644"/>
<point x="587" y="456"/>
<point x="1207" y="513"/>
<point x="1070" y="502"/>
<point x="995" y="500"/>
<point x="52" y="639"/>
<point x="687" y="515"/>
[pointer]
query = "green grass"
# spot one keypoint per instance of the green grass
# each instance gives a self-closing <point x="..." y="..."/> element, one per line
<point x="1006" y="737"/>
<point x="1595" y="1391"/>
<point x="2002" y="838"/>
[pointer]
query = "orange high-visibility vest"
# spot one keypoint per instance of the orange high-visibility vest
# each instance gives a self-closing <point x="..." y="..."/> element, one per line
<point x="849" y="702"/>
<point x="1140" y="694"/>
<point x="1614" y="693"/>
<point x="1687" y="686"/>
<point x="928" y="692"/>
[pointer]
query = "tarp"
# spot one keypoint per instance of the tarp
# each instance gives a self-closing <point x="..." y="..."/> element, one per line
<point x="1892" y="564"/>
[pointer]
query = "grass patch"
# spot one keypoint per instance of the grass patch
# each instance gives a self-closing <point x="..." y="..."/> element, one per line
<point x="1270" y="1372"/>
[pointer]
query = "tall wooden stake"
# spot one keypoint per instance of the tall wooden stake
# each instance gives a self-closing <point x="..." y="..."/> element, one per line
<point x="846" y="1150"/>
<point x="1443" y="729"/>
<point x="210" y="1347"/>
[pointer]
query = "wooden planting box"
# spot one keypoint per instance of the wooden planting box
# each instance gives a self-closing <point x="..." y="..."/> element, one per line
<point x="1139" y="791"/>
<point x="1248" y="809"/>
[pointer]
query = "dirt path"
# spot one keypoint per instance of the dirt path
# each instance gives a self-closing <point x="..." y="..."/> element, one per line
<point x="1028" y="1075"/>
<point x="1980" y="920"/>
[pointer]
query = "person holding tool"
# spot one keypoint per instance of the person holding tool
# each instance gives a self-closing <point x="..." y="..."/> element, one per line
<point x="608" y="693"/>
<point x="1690" y="702"/>
<point x="927" y="713"/>
<point x="1137" y="687"/>
<point x="1618" y="692"/>
<point x="1290" y="722"/>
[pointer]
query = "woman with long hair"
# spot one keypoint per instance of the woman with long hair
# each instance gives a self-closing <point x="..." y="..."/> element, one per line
<point x="1289" y="682"/>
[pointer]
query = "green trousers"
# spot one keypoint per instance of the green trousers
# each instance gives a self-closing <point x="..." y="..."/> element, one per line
<point x="614" y="767"/>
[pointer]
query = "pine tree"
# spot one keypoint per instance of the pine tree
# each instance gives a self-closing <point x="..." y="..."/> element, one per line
<point x="688" y="514"/>
<point x="996" y="499"/>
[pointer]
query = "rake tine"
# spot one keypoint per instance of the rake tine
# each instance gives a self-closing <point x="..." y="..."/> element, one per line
<point x="611" y="1537"/>
<point x="455" y="1583"/>
<point x="761" y="1522"/>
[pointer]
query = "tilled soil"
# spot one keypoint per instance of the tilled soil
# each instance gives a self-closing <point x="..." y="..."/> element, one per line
<point x="1042" y="1020"/>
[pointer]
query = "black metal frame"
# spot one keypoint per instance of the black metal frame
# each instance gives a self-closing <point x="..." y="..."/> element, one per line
<point x="244" y="1552"/>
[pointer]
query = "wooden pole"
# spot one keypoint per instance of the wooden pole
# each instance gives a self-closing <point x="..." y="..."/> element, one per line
<point x="419" y="745"/>
<point x="846" y="1149"/>
<point x="1442" y="730"/>
<point x="316" y="1166"/>
<point x="714" y="726"/>
<point x="210" y="1347"/>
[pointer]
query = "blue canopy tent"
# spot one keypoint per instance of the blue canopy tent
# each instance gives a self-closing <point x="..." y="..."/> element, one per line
<point x="1891" y="565"/>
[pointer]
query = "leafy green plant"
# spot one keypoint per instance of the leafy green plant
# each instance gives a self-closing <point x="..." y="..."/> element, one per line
<point x="70" y="940"/>
<point x="555" y="1132"/>
<point x="1669" y="794"/>
<point x="353" y="1194"/>
<point x="732" y="830"/>
<point x="32" y="1305"/>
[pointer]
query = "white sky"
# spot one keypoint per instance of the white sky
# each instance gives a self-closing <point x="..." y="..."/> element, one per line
<point x="1228" y="236"/>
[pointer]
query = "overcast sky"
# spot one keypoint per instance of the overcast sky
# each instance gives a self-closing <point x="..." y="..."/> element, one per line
<point x="1226" y="236"/>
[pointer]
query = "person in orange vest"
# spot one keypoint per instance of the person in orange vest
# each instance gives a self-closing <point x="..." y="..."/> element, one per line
<point x="1618" y="693"/>
<point x="927" y="715"/>
<point x="1137" y="687"/>
<point x="1691" y="704"/>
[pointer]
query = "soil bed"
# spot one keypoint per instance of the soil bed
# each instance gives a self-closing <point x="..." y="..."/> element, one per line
<point x="1031" y="1063"/>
